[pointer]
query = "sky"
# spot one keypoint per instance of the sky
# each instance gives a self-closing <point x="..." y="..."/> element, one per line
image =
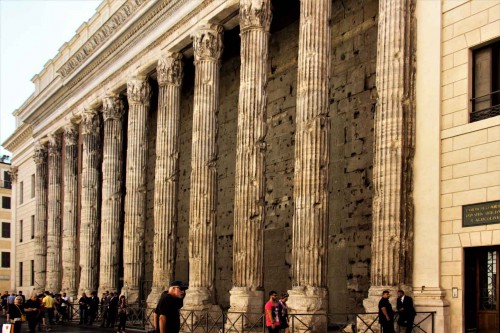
<point x="31" y="33"/>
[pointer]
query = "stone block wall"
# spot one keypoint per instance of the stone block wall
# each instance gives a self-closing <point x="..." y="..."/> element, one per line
<point x="470" y="152"/>
<point x="352" y="108"/>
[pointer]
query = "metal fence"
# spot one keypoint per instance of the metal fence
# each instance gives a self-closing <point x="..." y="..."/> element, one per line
<point x="141" y="318"/>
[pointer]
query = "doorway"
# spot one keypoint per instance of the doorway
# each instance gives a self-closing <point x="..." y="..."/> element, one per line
<point x="481" y="289"/>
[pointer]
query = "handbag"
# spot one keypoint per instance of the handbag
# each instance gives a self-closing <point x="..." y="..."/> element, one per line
<point x="23" y="316"/>
<point x="7" y="328"/>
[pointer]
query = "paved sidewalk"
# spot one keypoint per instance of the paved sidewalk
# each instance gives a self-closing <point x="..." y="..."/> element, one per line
<point x="74" y="328"/>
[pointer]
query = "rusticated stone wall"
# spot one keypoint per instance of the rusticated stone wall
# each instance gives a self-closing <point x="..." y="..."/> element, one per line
<point x="353" y="97"/>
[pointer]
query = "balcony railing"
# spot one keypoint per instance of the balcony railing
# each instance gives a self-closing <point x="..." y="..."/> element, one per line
<point x="492" y="99"/>
<point x="141" y="318"/>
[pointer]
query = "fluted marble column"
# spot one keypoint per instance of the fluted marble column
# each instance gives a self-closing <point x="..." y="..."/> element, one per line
<point x="248" y="279"/>
<point x="170" y="74"/>
<point x="40" y="157"/>
<point x="207" y="44"/>
<point x="139" y="95"/>
<point x="392" y="240"/>
<point x="89" y="226"/>
<point x="112" y="183"/>
<point x="70" y="214"/>
<point x="54" y="215"/>
<point x="310" y="222"/>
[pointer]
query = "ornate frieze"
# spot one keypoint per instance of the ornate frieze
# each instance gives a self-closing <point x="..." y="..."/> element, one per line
<point x="169" y="69"/>
<point x="255" y="14"/>
<point x="207" y="42"/>
<point x="115" y="22"/>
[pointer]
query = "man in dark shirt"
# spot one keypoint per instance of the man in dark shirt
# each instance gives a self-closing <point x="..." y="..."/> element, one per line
<point x="166" y="315"/>
<point x="385" y="313"/>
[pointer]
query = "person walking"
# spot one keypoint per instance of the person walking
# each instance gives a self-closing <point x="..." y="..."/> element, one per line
<point x="271" y="309"/>
<point x="406" y="311"/>
<point x="48" y="304"/>
<point x="166" y="316"/>
<point x="122" y="314"/>
<point x="15" y="314"/>
<point x="32" y="310"/>
<point x="283" y="313"/>
<point x="385" y="313"/>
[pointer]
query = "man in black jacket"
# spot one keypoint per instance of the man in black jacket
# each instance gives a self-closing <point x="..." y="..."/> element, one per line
<point x="167" y="316"/>
<point x="113" y="309"/>
<point x="406" y="311"/>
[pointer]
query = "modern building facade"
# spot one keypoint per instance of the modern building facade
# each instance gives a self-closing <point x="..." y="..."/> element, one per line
<point x="331" y="149"/>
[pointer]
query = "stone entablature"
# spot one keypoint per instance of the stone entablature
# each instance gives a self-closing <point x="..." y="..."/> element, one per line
<point x="22" y="133"/>
<point x="137" y="50"/>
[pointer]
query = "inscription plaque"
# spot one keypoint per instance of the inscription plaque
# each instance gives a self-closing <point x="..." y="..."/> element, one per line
<point x="481" y="213"/>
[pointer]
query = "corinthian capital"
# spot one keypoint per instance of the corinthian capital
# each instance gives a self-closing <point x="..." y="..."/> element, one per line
<point x="54" y="144"/>
<point x="170" y="69"/>
<point x="112" y="107"/>
<point x="207" y="42"/>
<point x="13" y="174"/>
<point x="138" y="90"/>
<point x="90" y="121"/>
<point x="255" y="14"/>
<point x="70" y="134"/>
<point x="40" y="154"/>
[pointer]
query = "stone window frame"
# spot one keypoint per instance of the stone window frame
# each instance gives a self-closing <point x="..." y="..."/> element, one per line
<point x="493" y="96"/>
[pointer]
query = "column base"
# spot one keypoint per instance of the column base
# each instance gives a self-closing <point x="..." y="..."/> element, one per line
<point x="71" y="293"/>
<point x="246" y="307"/>
<point x="433" y="299"/>
<point x="199" y="309"/>
<point x="131" y="294"/>
<point x="198" y="299"/>
<point x="102" y="290"/>
<point x="310" y="304"/>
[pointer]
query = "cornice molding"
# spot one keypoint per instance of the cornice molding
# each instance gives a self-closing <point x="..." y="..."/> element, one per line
<point x="138" y="31"/>
<point x="20" y="135"/>
<point x="116" y="21"/>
